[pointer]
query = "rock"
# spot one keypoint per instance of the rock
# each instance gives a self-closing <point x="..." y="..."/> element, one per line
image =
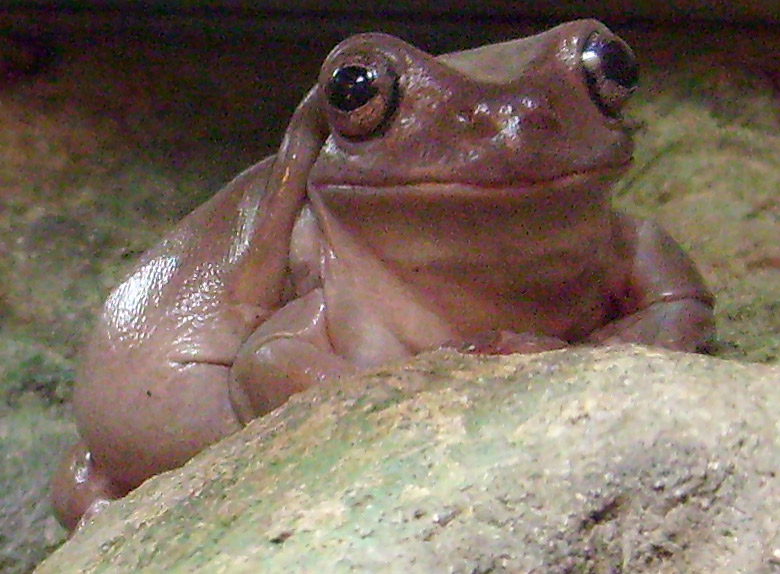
<point x="621" y="459"/>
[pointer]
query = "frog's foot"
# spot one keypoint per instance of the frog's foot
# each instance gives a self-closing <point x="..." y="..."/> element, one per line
<point x="682" y="325"/>
<point x="508" y="342"/>
<point x="286" y="355"/>
<point x="79" y="490"/>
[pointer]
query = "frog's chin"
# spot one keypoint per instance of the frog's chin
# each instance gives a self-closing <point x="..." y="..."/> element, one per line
<point x="585" y="184"/>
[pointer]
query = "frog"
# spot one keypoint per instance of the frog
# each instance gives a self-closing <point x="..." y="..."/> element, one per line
<point x="415" y="202"/>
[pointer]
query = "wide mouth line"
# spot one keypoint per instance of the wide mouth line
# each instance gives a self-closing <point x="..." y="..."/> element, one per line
<point x="469" y="188"/>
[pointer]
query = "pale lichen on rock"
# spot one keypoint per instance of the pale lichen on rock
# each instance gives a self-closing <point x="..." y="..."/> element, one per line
<point x="584" y="459"/>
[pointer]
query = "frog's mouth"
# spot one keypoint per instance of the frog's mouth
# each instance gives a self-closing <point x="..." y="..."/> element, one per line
<point x="572" y="189"/>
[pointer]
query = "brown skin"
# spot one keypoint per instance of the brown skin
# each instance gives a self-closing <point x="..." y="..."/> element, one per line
<point x="462" y="202"/>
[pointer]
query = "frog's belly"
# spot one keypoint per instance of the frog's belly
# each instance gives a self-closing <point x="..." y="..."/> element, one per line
<point x="451" y="269"/>
<point x="379" y="312"/>
<point x="564" y="298"/>
<point x="558" y="282"/>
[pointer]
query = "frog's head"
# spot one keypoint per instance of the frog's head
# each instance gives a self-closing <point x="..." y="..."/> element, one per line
<point x="538" y="112"/>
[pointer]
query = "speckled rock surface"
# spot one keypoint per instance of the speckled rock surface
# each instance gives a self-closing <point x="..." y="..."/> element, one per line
<point x="617" y="460"/>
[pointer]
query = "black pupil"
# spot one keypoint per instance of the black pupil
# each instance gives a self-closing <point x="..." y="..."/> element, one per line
<point x="351" y="87"/>
<point x="617" y="64"/>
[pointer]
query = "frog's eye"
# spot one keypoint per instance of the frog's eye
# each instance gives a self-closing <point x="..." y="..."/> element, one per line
<point x="361" y="96"/>
<point x="351" y="87"/>
<point x="611" y="71"/>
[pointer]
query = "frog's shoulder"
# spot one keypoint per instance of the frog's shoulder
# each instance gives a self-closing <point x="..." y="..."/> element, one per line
<point x="200" y="253"/>
<point x="240" y="199"/>
<point x="213" y="229"/>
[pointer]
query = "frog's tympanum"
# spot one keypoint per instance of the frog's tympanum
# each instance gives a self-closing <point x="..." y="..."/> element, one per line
<point x="415" y="202"/>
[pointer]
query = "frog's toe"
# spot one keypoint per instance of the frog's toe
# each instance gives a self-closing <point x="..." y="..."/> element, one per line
<point x="502" y="342"/>
<point x="682" y="325"/>
<point x="79" y="490"/>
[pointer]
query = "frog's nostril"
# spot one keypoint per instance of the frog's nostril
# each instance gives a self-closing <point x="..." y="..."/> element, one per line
<point x="511" y="122"/>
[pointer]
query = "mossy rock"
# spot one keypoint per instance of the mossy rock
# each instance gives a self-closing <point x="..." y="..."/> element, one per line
<point x="578" y="460"/>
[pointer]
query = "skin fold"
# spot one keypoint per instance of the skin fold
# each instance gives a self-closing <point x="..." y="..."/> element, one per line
<point x="415" y="202"/>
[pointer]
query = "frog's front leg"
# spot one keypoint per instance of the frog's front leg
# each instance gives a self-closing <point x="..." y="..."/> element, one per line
<point x="286" y="355"/>
<point x="665" y="301"/>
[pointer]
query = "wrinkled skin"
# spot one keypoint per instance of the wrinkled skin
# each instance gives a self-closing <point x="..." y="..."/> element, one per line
<point x="461" y="201"/>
